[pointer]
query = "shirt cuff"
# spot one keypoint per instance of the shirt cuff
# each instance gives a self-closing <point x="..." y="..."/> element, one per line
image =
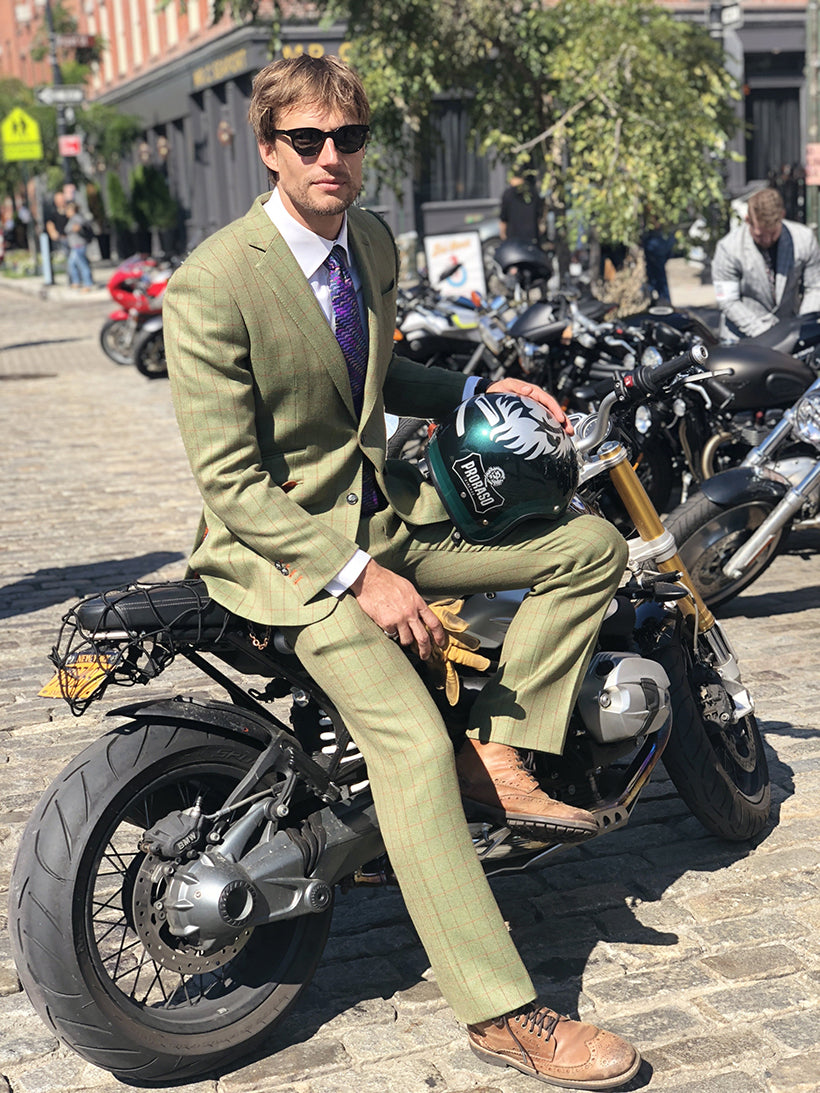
<point x="347" y="574"/>
<point x="475" y="385"/>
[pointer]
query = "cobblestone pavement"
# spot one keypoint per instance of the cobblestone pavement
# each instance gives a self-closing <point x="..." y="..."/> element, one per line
<point x="705" y="954"/>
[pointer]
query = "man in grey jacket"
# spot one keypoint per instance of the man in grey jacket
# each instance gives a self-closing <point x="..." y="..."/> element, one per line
<point x="766" y="269"/>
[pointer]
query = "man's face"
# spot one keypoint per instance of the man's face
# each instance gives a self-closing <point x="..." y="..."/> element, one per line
<point x="316" y="189"/>
<point x="766" y="234"/>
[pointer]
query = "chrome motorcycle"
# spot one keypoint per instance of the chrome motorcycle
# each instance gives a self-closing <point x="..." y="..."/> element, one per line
<point x="173" y="889"/>
<point x="731" y="530"/>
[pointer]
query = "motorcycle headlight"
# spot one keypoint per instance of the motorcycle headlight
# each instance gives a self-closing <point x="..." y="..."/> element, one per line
<point x="643" y="419"/>
<point x="807" y="419"/>
<point x="651" y="357"/>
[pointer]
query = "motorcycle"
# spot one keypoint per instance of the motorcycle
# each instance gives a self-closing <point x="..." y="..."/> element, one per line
<point x="149" y="347"/>
<point x="173" y="890"/>
<point x="731" y="530"/>
<point x="137" y="285"/>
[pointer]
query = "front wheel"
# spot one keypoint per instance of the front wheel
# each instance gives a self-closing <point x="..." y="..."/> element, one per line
<point x="717" y="765"/>
<point x="117" y="340"/>
<point x="149" y="355"/>
<point x="88" y="933"/>
<point x="708" y="534"/>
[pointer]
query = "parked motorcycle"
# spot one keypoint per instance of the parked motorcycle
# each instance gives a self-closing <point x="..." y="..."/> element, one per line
<point x="732" y="529"/>
<point x="137" y="285"/>
<point x="149" y="348"/>
<point x="173" y="889"/>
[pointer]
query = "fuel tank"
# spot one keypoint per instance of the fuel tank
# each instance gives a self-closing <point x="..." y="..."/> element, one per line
<point x="658" y="319"/>
<point x="758" y="378"/>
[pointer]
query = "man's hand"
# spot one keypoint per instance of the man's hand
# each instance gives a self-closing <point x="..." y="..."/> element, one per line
<point x="537" y="394"/>
<point x="394" y="604"/>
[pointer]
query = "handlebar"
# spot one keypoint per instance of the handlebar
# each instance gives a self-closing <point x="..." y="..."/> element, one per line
<point x="644" y="380"/>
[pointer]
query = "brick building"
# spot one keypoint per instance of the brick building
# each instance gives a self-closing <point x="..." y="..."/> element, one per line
<point x="189" y="82"/>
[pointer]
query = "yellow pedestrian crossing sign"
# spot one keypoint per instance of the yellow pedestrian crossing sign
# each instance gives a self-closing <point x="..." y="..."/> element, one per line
<point x="20" y="137"/>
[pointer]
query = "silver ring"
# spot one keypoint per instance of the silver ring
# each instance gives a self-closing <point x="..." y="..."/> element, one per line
<point x="392" y="635"/>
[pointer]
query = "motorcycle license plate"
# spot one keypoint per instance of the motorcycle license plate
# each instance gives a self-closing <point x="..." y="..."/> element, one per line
<point x="79" y="677"/>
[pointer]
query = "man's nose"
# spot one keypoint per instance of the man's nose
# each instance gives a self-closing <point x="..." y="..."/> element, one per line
<point x="329" y="153"/>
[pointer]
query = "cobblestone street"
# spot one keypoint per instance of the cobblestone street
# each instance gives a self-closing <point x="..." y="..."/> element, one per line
<point x="705" y="954"/>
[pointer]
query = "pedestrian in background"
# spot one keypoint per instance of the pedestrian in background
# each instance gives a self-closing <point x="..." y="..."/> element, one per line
<point x="522" y="210"/>
<point x="78" y="234"/>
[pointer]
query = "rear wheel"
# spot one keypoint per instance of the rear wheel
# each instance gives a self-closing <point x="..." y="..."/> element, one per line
<point x="88" y="930"/>
<point x="717" y="765"/>
<point x="708" y="535"/>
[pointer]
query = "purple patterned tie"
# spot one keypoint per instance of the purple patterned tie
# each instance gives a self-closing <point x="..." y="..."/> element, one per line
<point x="349" y="330"/>
<point x="351" y="336"/>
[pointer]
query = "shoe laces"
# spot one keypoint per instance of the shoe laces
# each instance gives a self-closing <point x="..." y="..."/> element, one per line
<point x="537" y="1019"/>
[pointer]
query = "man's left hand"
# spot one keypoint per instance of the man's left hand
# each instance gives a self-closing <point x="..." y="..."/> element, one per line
<point x="537" y="394"/>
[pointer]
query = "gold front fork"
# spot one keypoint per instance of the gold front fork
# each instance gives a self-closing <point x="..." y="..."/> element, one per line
<point x="645" y="517"/>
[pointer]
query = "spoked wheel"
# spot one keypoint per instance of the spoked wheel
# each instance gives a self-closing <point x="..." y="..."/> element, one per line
<point x="88" y="917"/>
<point x="149" y="355"/>
<point x="708" y="535"/>
<point x="117" y="340"/>
<point x="717" y="765"/>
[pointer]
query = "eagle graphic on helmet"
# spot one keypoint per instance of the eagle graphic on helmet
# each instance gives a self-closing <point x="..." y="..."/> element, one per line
<point x="499" y="459"/>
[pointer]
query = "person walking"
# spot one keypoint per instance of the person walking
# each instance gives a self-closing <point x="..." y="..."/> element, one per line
<point x="78" y="233"/>
<point x="279" y="338"/>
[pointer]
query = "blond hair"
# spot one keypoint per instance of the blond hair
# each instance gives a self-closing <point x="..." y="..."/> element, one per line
<point x="324" y="82"/>
<point x="765" y="208"/>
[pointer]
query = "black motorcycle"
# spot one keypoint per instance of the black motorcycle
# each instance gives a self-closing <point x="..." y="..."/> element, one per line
<point x="173" y="890"/>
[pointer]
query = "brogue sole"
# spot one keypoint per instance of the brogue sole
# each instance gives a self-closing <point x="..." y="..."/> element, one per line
<point x="545" y="827"/>
<point x="496" y="1059"/>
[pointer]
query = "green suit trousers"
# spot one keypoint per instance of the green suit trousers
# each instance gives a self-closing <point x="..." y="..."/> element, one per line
<point x="571" y="568"/>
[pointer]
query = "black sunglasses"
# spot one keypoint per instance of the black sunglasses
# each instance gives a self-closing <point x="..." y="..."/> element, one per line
<point x="310" y="142"/>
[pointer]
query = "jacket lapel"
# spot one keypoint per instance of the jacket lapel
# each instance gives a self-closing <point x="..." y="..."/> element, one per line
<point x="280" y="271"/>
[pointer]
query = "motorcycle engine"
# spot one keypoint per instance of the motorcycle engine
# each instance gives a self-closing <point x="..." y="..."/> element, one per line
<point x="623" y="696"/>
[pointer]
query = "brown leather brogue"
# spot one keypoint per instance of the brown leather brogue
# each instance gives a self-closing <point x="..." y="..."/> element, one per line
<point x="493" y="776"/>
<point x="554" y="1049"/>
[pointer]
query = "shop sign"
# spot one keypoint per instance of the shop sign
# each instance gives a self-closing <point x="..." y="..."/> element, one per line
<point x="221" y="69"/>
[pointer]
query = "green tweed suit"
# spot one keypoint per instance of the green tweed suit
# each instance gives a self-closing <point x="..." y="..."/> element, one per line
<point x="263" y="402"/>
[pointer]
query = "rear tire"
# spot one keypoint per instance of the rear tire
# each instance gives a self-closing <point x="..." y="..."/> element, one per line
<point x="708" y="535"/>
<point x="720" y="770"/>
<point x="90" y="944"/>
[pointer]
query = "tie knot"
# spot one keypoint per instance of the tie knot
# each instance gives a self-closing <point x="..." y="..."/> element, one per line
<point x="336" y="259"/>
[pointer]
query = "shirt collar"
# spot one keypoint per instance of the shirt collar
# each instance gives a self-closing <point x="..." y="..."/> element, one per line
<point x="309" y="249"/>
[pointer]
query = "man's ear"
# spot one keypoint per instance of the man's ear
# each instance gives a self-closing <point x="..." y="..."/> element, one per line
<point x="269" y="156"/>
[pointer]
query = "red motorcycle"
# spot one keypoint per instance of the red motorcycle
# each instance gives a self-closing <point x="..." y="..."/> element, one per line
<point x="137" y="285"/>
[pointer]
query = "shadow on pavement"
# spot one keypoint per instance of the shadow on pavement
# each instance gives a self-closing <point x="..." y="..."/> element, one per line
<point x="50" y="586"/>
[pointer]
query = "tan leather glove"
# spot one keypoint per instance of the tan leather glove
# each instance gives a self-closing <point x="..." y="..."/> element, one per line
<point x="460" y="649"/>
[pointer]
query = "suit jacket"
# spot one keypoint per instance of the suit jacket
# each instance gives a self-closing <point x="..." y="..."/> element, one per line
<point x="263" y="400"/>
<point x="747" y="302"/>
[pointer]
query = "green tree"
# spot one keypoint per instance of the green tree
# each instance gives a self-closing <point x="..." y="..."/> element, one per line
<point x="152" y="202"/>
<point x="73" y="61"/>
<point x="616" y="104"/>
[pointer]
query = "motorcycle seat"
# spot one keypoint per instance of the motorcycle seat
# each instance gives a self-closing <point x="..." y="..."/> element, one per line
<point x="182" y="609"/>
<point x="783" y="336"/>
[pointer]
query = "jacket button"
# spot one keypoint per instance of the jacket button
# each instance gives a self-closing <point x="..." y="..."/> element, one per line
<point x="352" y="499"/>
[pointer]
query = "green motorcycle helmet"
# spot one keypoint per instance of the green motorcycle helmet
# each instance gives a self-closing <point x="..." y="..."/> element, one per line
<point x="500" y="459"/>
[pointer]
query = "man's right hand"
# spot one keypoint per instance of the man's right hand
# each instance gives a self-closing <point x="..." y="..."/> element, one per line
<point x="393" y="603"/>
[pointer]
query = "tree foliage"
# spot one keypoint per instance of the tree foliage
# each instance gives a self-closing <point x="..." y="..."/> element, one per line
<point x="619" y="107"/>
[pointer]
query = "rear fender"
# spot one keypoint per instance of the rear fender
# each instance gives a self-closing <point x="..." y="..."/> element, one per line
<point x="741" y="484"/>
<point x="221" y="715"/>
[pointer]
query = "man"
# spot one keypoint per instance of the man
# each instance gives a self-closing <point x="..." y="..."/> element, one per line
<point x="306" y="528"/>
<point x="522" y="210"/>
<point x="765" y="269"/>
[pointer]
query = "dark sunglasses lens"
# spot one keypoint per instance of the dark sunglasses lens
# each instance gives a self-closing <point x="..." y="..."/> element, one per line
<point x="307" y="142"/>
<point x="350" y="138"/>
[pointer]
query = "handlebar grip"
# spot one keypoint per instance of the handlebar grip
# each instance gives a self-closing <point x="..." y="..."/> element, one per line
<point x="650" y="380"/>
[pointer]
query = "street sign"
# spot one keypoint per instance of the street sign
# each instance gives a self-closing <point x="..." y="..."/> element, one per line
<point x="69" y="144"/>
<point x="75" y="41"/>
<point x="20" y="137"/>
<point x="813" y="164"/>
<point x="62" y="95"/>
